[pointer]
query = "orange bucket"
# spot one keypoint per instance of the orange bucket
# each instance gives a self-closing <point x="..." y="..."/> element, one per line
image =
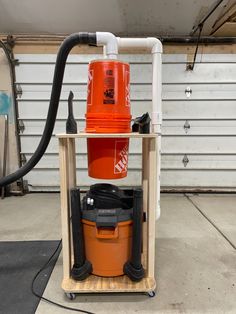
<point x="108" y="111"/>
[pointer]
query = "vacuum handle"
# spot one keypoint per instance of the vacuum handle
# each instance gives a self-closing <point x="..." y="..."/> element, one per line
<point x="113" y="235"/>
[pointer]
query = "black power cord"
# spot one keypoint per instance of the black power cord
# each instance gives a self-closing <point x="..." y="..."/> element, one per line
<point x="191" y="66"/>
<point x="58" y="248"/>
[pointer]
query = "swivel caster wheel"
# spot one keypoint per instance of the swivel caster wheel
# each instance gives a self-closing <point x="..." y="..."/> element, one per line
<point x="71" y="296"/>
<point x="151" y="294"/>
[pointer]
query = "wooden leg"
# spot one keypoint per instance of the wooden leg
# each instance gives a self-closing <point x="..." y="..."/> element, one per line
<point x="65" y="219"/>
<point x="145" y="173"/>
<point x="152" y="199"/>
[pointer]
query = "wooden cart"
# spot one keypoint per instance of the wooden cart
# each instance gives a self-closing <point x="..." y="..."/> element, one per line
<point x="95" y="284"/>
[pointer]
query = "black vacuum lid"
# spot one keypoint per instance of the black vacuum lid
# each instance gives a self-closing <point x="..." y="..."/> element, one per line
<point x="107" y="217"/>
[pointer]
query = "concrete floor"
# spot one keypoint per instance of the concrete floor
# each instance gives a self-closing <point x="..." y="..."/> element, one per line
<point x="195" y="263"/>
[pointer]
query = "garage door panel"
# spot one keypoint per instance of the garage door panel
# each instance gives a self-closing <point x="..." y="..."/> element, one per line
<point x="77" y="73"/>
<point x="199" y="127"/>
<point x="195" y="162"/>
<point x="203" y="73"/>
<point x="140" y="91"/>
<point x="195" y="144"/>
<point x="169" y="127"/>
<point x="204" y="109"/>
<point x="214" y="109"/>
<point x="32" y="92"/>
<point x="198" y="162"/>
<point x="171" y="144"/>
<point x="199" y="179"/>
<point x="43" y="73"/>
<point x="85" y="58"/>
<point x="49" y="180"/>
<point x="137" y="58"/>
<point x="199" y="91"/>
<point x="38" y="109"/>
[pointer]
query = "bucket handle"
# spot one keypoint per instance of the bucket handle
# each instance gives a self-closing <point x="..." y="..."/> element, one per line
<point x="113" y="235"/>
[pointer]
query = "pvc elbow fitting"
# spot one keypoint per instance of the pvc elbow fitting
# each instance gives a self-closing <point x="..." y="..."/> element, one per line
<point x="110" y="42"/>
<point x="154" y="44"/>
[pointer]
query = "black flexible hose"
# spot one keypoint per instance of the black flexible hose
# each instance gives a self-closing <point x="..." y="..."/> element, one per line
<point x="65" y="48"/>
<point x="106" y="196"/>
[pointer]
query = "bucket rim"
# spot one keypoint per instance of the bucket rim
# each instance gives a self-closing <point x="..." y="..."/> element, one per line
<point x="109" y="61"/>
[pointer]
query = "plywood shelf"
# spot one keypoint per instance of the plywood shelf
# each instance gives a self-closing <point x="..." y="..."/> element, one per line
<point x="95" y="284"/>
<point x="107" y="135"/>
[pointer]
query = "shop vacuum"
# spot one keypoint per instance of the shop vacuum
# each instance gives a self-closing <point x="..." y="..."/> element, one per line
<point x="107" y="232"/>
<point x="107" y="221"/>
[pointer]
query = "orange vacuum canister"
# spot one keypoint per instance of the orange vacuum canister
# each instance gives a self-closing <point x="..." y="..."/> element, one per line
<point x="108" y="111"/>
<point x="108" y="249"/>
<point x="108" y="226"/>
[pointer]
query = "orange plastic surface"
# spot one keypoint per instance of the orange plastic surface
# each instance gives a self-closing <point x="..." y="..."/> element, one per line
<point x="108" y="111"/>
<point x="107" y="249"/>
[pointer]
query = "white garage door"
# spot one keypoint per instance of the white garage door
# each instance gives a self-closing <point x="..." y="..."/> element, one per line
<point x="199" y="118"/>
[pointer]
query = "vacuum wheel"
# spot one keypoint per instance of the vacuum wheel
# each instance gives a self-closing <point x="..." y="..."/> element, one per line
<point x="151" y="294"/>
<point x="70" y="296"/>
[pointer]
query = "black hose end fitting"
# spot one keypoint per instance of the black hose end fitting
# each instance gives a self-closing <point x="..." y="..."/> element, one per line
<point x="71" y="125"/>
<point x="88" y="38"/>
<point x="80" y="273"/>
<point x="135" y="274"/>
<point x="142" y="124"/>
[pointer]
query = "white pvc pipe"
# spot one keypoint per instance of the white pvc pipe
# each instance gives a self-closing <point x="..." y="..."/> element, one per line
<point x="109" y="41"/>
<point x="156" y="92"/>
<point x="104" y="52"/>
<point x="154" y="46"/>
<point x="157" y="117"/>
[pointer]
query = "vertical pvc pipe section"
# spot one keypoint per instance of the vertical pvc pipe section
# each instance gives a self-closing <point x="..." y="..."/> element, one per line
<point x="157" y="117"/>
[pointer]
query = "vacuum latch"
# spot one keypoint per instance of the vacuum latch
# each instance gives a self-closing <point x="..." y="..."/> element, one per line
<point x="107" y="218"/>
